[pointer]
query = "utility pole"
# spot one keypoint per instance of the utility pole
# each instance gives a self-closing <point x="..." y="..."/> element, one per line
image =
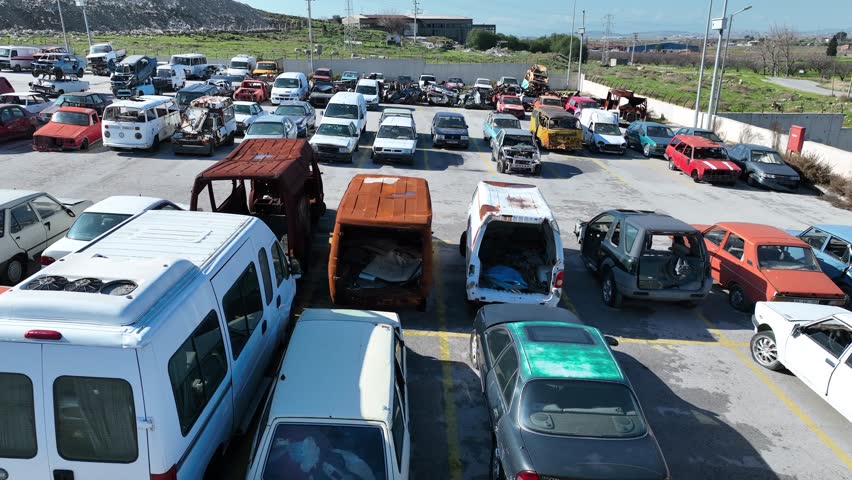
<point x="310" y="36"/>
<point x="701" y="68"/>
<point x="633" y="50"/>
<point x="580" y="61"/>
<point x="62" y="21"/>
<point x="347" y="27"/>
<point x="730" y="27"/>
<point x="571" y="46"/>
<point x="82" y="5"/>
<point x="608" y="19"/>
<point x="718" y="24"/>
<point x="416" y="11"/>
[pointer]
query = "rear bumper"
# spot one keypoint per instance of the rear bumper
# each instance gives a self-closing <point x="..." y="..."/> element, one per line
<point x="490" y="295"/>
<point x="628" y="288"/>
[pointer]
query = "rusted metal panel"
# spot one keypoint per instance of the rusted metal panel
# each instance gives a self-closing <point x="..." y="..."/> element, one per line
<point x="375" y="200"/>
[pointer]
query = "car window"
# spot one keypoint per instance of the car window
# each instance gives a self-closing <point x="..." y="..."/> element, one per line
<point x="17" y="417"/>
<point x="630" y="234"/>
<point x="687" y="151"/>
<point x="23" y="216"/>
<point x="832" y="335"/>
<point x="398" y="431"/>
<point x="735" y="246"/>
<point x="715" y="235"/>
<point x="786" y="257"/>
<point x="18" y="113"/>
<point x="838" y="248"/>
<point x="505" y="369"/>
<point x="279" y="262"/>
<point x="615" y="239"/>
<point x="263" y="261"/>
<point x="243" y="308"/>
<point x="91" y="224"/>
<point x="680" y="148"/>
<point x="46" y="207"/>
<point x="675" y="142"/>
<point x="815" y="238"/>
<point x="496" y="339"/>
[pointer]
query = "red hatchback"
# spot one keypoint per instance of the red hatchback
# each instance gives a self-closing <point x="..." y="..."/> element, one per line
<point x="701" y="159"/>
<point x="70" y="128"/>
<point x="512" y="105"/>
<point x="15" y="122"/>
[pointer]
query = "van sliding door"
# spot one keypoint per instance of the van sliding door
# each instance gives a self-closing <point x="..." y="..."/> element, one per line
<point x="23" y="449"/>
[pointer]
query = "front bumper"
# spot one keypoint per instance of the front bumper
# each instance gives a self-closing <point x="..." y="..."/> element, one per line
<point x="384" y="156"/>
<point x="191" y="147"/>
<point x="610" y="148"/>
<point x="782" y="185"/>
<point x="277" y="99"/>
<point x="455" y="142"/>
<point x="5" y="65"/>
<point x="334" y="156"/>
<point x="53" y="144"/>
<point x="657" y="150"/>
<point x="720" y="176"/>
<point x="755" y="322"/>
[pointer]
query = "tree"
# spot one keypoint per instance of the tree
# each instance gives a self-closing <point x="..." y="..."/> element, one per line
<point x="565" y="44"/>
<point x="481" y="39"/>
<point x="831" y="49"/>
<point x="841" y="36"/>
<point x="393" y="23"/>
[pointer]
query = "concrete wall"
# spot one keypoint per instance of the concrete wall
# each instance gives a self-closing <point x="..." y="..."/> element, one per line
<point x="821" y="127"/>
<point x="733" y="131"/>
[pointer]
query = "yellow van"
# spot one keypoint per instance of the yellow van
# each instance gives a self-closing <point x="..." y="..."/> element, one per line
<point x="556" y="129"/>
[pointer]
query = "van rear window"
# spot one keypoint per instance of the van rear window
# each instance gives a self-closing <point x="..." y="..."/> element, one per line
<point x="304" y="452"/>
<point x="17" y="417"/>
<point x="95" y="419"/>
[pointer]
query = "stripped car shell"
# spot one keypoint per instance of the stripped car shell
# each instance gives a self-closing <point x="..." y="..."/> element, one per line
<point x="208" y="123"/>
<point x="252" y="91"/>
<point x="556" y="129"/>
<point x="515" y="150"/>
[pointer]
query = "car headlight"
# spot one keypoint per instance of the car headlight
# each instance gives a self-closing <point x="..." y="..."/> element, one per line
<point x="464" y="137"/>
<point x="623" y="145"/>
<point x="440" y="137"/>
<point x="314" y="147"/>
<point x="343" y="150"/>
<point x="377" y="149"/>
<point x="766" y="175"/>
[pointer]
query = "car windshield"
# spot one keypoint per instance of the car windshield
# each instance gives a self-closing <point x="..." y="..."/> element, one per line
<point x="365" y="90"/>
<point x="660" y="132"/>
<point x="287" y="83"/>
<point x="570" y="123"/>
<point x="451" y="122"/>
<point x="69" y="100"/>
<point x="709" y="136"/>
<point x="349" y="74"/>
<point x="4" y="52"/>
<point x="455" y="80"/>
<point x="333" y="130"/>
<point x="164" y="73"/>
<point x="70" y="118"/>
<point x="341" y="110"/>
<point x="292" y="110"/>
<point x="786" y="257"/>
<point x="511" y="100"/>
<point x="180" y="61"/>
<point x="551" y="102"/>
<point x="101" y="49"/>
<point x="322" y="73"/>
<point x="515" y="140"/>
<point x="588" y="105"/>
<point x="580" y="408"/>
<point x="325" y="452"/>
<point x="607" y="129"/>
<point x="510" y="81"/>
<point x="266" y="128"/>
<point x="91" y="225"/>
<point x="765" y="156"/>
<point x="185" y="98"/>
<point x="483" y="81"/>
<point x="507" y="123"/>
<point x="240" y="65"/>
<point x="124" y="114"/>
<point x="427" y="78"/>
<point x="267" y="65"/>
<point x="396" y="132"/>
<point x="710" y="153"/>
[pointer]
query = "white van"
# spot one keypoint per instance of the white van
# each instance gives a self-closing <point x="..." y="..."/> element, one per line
<point x="194" y="64"/>
<point x="290" y="87"/>
<point x="348" y="106"/>
<point x="601" y="131"/>
<point x="340" y="407"/>
<point x="17" y="57"/>
<point x="172" y="76"/>
<point x="141" y="123"/>
<point x="242" y="65"/>
<point x="512" y="246"/>
<point x="139" y="356"/>
<point x="372" y="92"/>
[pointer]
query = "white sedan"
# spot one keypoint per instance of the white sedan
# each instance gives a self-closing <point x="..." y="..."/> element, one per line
<point x="30" y="101"/>
<point x="272" y="126"/>
<point x="101" y="217"/>
<point x="812" y="341"/>
<point x="246" y="113"/>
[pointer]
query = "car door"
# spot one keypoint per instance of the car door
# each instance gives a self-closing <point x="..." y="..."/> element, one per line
<point x="284" y="287"/>
<point x="54" y="217"/>
<point x="835" y="258"/>
<point x="400" y="426"/>
<point x="813" y="351"/>
<point x="840" y="386"/>
<point x="713" y="239"/>
<point x="499" y="383"/>
<point x="593" y="235"/>
<point x="731" y="256"/>
<point x="27" y="230"/>
<point x="632" y="135"/>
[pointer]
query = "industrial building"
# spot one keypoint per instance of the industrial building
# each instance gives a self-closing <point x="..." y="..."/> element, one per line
<point x="452" y="27"/>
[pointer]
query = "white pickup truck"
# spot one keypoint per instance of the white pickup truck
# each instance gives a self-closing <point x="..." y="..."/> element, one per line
<point x="812" y="341"/>
<point x="29" y="222"/>
<point x="103" y="58"/>
<point x="55" y="88"/>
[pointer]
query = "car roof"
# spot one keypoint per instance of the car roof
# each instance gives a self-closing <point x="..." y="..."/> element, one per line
<point x="583" y="355"/>
<point x="517" y="131"/>
<point x="555" y="112"/>
<point x="652" y="124"/>
<point x="504" y="199"/>
<point x="336" y="121"/>
<point x="20" y="94"/>
<point x="396" y="110"/>
<point x="125" y="204"/>
<point x="240" y="102"/>
<point x="654" y="221"/>
<point x="187" y="55"/>
<point x="345" y="97"/>
<point x="145" y="101"/>
<point x="375" y="200"/>
<point x="76" y="110"/>
<point x="290" y="75"/>
<point x="842" y="231"/>
<point x="263" y="159"/>
<point x="696" y="141"/>
<point x="588" y="99"/>
<point x="449" y="114"/>
<point x="271" y="118"/>
<point x="354" y="350"/>
<point x="368" y="81"/>
<point x="8" y="195"/>
<point x="398" y="121"/>
<point x="498" y="314"/>
<point x="754" y="146"/>
<point x="198" y="87"/>
<point x="759" y="233"/>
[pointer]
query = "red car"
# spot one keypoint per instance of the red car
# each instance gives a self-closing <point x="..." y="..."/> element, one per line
<point x="701" y="159"/>
<point x="548" y="101"/>
<point x="15" y="122"/>
<point x="5" y="86"/>
<point x="70" y="128"/>
<point x="758" y="263"/>
<point x="252" y="91"/>
<point x="512" y="105"/>
<point x="323" y="75"/>
<point x="575" y="105"/>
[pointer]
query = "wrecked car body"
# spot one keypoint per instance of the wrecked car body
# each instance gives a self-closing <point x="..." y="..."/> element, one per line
<point x="321" y="93"/>
<point x="635" y="108"/>
<point x="133" y="72"/>
<point x="381" y="257"/>
<point x="512" y="247"/>
<point x="208" y="123"/>
<point x="556" y="129"/>
<point x="645" y="255"/>
<point x="514" y="150"/>
<point x="58" y="65"/>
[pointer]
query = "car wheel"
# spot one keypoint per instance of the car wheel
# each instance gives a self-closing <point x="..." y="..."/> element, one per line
<point x="496" y="469"/>
<point x="751" y="181"/>
<point x="435" y="141"/>
<point x="485" y="137"/>
<point x="85" y="144"/>
<point x="474" y="351"/>
<point x="155" y="144"/>
<point x="695" y="177"/>
<point x="764" y="350"/>
<point x="17" y="69"/>
<point x="463" y="243"/>
<point x="80" y="73"/>
<point x="672" y="166"/>
<point x="646" y="150"/>
<point x="210" y="149"/>
<point x="737" y="298"/>
<point x="609" y="291"/>
<point x="14" y="271"/>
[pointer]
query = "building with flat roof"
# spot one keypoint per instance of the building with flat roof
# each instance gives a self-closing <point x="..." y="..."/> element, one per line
<point x="453" y="27"/>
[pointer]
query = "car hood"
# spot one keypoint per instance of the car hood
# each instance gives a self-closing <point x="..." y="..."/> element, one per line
<point x="296" y="118"/>
<point x="507" y="106"/>
<point x="243" y="118"/>
<point x="237" y="71"/>
<point x="797" y="282"/>
<point x="63" y="247"/>
<point x="718" y="164"/>
<point x="331" y="140"/>
<point x="613" y="459"/>
<point x="659" y="141"/>
<point x="62" y="130"/>
<point x="801" y="312"/>
<point x="395" y="143"/>
<point x="610" y="139"/>
<point x="773" y="169"/>
<point x="249" y="137"/>
<point x="450" y="131"/>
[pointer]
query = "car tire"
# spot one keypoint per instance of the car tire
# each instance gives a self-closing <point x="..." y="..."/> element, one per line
<point x="737" y="298"/>
<point x="14" y="270"/>
<point x="210" y="149"/>
<point x="764" y="350"/>
<point x="463" y="243"/>
<point x="85" y="144"/>
<point x="537" y="170"/>
<point x="17" y="69"/>
<point x="646" y="150"/>
<point x="155" y="144"/>
<point x="609" y="290"/>
<point x="672" y="166"/>
<point x="80" y="73"/>
<point x="751" y="181"/>
<point x="695" y="177"/>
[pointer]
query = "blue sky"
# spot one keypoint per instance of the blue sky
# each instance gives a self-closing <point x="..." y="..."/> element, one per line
<point x="630" y="15"/>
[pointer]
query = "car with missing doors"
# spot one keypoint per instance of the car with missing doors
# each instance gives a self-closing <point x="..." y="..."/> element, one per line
<point x="832" y="245"/>
<point x="560" y="404"/>
<point x="514" y="150"/>
<point x="69" y="128"/>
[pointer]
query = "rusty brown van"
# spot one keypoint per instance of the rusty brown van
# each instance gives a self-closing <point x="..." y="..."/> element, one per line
<point x="381" y="248"/>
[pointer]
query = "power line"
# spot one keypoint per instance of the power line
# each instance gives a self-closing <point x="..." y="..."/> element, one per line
<point x="608" y="24"/>
<point x="416" y="12"/>
<point x="348" y="34"/>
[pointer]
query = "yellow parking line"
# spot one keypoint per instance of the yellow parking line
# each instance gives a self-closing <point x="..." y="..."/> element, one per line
<point x="677" y="342"/>
<point x="778" y="393"/>
<point x="486" y="159"/>
<point x="453" y="456"/>
<point x="611" y="171"/>
<point x="430" y="333"/>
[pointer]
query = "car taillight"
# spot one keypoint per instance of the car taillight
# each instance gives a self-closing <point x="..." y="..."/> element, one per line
<point x="43" y="335"/>
<point x="169" y="475"/>
<point x="526" y="475"/>
<point x="46" y="260"/>
<point x="559" y="280"/>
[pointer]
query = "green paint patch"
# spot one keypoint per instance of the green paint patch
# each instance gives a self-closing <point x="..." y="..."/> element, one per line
<point x="554" y="350"/>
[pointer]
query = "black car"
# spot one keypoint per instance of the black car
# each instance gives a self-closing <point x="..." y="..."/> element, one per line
<point x="95" y="101"/>
<point x="763" y="166"/>
<point x="449" y="128"/>
<point x="561" y="407"/>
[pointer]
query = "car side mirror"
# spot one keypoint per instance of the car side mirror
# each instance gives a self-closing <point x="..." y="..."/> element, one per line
<point x="70" y="212"/>
<point x="797" y="329"/>
<point x="295" y="269"/>
<point x="611" y="341"/>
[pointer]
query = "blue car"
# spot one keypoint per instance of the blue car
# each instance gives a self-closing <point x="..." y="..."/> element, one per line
<point x="648" y="137"/>
<point x="495" y="122"/>
<point x="763" y="166"/>
<point x="832" y="245"/>
<point x="449" y="128"/>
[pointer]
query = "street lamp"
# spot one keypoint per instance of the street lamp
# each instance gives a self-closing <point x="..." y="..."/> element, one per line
<point x="82" y="4"/>
<point x="725" y="58"/>
<point x="582" y="32"/>
<point x="718" y="25"/>
<point x="701" y="68"/>
<point x="62" y="21"/>
<point x="310" y="36"/>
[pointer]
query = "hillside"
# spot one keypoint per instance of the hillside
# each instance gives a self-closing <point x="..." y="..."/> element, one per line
<point x="132" y="15"/>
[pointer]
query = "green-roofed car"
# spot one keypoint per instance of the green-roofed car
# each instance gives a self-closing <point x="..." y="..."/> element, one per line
<point x="561" y="407"/>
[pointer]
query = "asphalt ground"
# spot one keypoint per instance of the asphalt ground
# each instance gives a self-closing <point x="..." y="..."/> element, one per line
<point x="716" y="414"/>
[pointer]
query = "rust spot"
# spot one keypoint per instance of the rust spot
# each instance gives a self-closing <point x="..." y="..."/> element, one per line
<point x="519" y="202"/>
<point x="485" y="210"/>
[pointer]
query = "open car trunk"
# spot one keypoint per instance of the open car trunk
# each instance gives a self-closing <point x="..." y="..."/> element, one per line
<point x="517" y="257"/>
<point x="672" y="261"/>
